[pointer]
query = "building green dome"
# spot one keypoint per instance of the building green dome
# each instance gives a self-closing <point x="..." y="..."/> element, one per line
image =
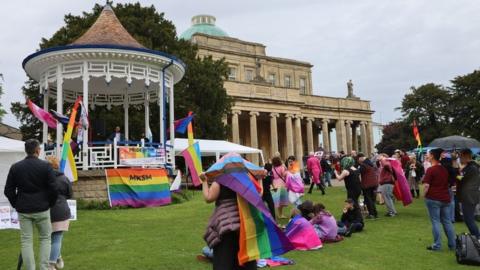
<point x="204" y="24"/>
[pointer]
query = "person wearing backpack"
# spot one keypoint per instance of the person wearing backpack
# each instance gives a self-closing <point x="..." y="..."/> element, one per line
<point x="369" y="183"/>
<point x="468" y="192"/>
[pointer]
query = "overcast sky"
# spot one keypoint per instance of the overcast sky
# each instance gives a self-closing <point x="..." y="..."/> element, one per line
<point x="383" y="46"/>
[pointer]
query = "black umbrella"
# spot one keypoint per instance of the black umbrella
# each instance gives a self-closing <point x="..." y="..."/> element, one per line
<point x="455" y="142"/>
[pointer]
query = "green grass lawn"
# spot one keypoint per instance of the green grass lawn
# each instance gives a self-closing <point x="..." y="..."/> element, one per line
<point x="171" y="237"/>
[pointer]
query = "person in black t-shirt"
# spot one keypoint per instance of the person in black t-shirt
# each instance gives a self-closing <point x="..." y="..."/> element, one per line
<point x="267" y="184"/>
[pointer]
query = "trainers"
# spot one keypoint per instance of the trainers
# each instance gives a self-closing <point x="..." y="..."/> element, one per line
<point x="431" y="248"/>
<point x="60" y="263"/>
<point x="51" y="266"/>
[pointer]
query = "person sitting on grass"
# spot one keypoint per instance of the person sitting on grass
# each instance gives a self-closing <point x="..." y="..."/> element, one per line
<point x="352" y="220"/>
<point x="324" y="223"/>
<point x="306" y="209"/>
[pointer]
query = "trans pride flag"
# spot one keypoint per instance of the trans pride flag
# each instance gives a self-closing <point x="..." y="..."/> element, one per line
<point x="138" y="187"/>
<point x="260" y="237"/>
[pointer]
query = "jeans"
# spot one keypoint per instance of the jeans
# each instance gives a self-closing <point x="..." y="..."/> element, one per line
<point x="369" y="197"/>
<point x="56" y="249"/>
<point x="327" y="176"/>
<point x="452" y="206"/>
<point x="387" y="193"/>
<point x="41" y="220"/>
<point x="343" y="228"/>
<point x="469" y="218"/>
<point x="439" y="213"/>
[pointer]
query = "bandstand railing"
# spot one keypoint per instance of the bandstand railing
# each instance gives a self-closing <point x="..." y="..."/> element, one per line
<point x="105" y="154"/>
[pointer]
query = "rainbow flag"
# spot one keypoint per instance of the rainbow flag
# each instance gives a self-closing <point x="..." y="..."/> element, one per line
<point x="42" y="115"/>
<point x="193" y="159"/>
<point x="416" y="133"/>
<point x="138" y="187"/>
<point x="67" y="162"/>
<point x="260" y="237"/>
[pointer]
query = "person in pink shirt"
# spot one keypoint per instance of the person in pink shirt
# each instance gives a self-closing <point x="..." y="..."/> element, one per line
<point x="315" y="171"/>
<point x="279" y="192"/>
<point x="324" y="223"/>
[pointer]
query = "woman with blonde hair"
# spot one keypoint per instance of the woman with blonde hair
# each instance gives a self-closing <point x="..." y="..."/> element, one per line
<point x="59" y="215"/>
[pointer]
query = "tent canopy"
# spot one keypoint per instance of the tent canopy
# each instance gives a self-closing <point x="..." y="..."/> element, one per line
<point x="10" y="145"/>
<point x="215" y="148"/>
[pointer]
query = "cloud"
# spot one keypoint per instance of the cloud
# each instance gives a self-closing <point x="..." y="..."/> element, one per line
<point x="383" y="46"/>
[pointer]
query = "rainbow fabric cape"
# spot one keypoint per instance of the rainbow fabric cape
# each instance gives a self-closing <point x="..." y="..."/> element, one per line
<point x="137" y="187"/>
<point x="67" y="162"/>
<point x="260" y="237"/>
<point x="193" y="159"/>
<point x="42" y="115"/>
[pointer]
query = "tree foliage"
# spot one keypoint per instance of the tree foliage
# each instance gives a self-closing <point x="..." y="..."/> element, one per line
<point x="201" y="90"/>
<point x="439" y="112"/>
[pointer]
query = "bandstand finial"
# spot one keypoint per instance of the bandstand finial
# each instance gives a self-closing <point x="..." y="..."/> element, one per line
<point x="108" y="4"/>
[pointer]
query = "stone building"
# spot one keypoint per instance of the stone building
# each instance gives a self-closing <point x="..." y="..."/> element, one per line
<point x="274" y="105"/>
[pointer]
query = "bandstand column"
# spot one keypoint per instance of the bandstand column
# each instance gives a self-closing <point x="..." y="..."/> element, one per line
<point x="254" y="135"/>
<point x="289" y="133"/>
<point x="273" y="134"/>
<point x="85" y="79"/>
<point x="59" y="136"/>
<point x="172" y="121"/>
<point x="46" y="93"/>
<point x="146" y="105"/>
<point x="235" y="126"/>
<point x="363" y="137"/>
<point x="348" y="133"/>
<point x="125" y="118"/>
<point x="310" y="134"/>
<point x="298" y="139"/>
<point x="325" y="135"/>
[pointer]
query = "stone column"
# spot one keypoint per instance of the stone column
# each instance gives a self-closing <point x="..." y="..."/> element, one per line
<point x="289" y="135"/>
<point x="348" y="133"/>
<point x="253" y="135"/>
<point x="298" y="139"/>
<point x="325" y="135"/>
<point x="370" y="137"/>
<point x="363" y="139"/>
<point x="235" y="126"/>
<point x="354" y="138"/>
<point x="273" y="134"/>
<point x="310" y="135"/>
<point x="340" y="130"/>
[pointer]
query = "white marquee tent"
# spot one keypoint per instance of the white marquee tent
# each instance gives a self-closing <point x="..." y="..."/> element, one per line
<point x="216" y="148"/>
<point x="11" y="151"/>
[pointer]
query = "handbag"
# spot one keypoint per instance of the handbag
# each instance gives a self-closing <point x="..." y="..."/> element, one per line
<point x="467" y="249"/>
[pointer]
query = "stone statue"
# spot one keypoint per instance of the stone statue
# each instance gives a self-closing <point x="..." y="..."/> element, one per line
<point x="258" y="77"/>
<point x="350" y="90"/>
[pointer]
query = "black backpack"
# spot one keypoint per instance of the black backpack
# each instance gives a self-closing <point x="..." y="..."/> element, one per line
<point x="468" y="249"/>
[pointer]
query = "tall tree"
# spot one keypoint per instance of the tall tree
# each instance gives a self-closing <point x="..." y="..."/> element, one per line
<point x="201" y="90"/>
<point x="2" y="111"/>
<point x="396" y="135"/>
<point x="465" y="104"/>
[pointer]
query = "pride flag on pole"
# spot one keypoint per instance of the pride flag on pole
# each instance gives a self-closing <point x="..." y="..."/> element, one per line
<point x="416" y="133"/>
<point x="182" y="124"/>
<point x="193" y="159"/>
<point x="190" y="130"/>
<point x="67" y="162"/>
<point x="42" y="115"/>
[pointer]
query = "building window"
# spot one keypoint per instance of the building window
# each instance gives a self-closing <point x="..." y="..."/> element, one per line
<point x="232" y="73"/>
<point x="303" y="86"/>
<point x="248" y="75"/>
<point x="287" y="81"/>
<point x="272" y="78"/>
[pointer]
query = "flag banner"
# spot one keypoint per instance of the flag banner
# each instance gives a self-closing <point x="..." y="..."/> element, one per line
<point x="141" y="156"/>
<point x="193" y="159"/>
<point x="182" y="124"/>
<point x="138" y="187"/>
<point x="67" y="162"/>
<point x="60" y="117"/>
<point x="42" y="115"/>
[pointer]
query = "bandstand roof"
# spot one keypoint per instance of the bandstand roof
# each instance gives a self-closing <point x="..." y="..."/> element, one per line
<point x="107" y="29"/>
<point x="118" y="66"/>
